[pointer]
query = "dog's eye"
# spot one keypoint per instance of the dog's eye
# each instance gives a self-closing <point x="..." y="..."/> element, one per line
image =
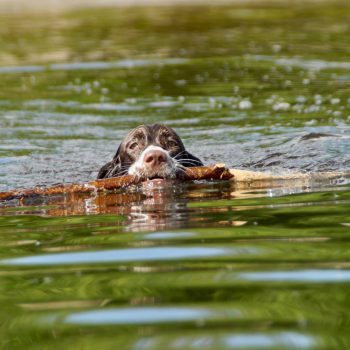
<point x="172" y="143"/>
<point x="133" y="145"/>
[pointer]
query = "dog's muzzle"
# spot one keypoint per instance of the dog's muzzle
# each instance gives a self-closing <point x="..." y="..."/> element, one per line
<point x="154" y="162"/>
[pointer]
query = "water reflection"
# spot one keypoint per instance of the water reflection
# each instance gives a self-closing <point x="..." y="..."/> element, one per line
<point x="209" y="266"/>
<point x="257" y="340"/>
<point x="150" y="207"/>
<point x="91" y="65"/>
<point x="126" y="255"/>
<point x="138" y="315"/>
<point x="310" y="276"/>
<point x="262" y="341"/>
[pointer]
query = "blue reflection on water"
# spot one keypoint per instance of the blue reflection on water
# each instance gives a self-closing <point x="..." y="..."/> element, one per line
<point x="138" y="315"/>
<point x="129" y="63"/>
<point x="235" y="341"/>
<point x="169" y="235"/>
<point x="285" y="339"/>
<point x="302" y="275"/>
<point x="127" y="255"/>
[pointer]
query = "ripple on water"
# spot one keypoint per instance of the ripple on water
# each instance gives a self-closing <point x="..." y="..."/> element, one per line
<point x="128" y="255"/>
<point x="204" y="266"/>
<point x="309" y="276"/>
<point x="257" y="340"/>
<point x="161" y="314"/>
<point x="97" y="65"/>
<point x="138" y="315"/>
<point x="310" y="64"/>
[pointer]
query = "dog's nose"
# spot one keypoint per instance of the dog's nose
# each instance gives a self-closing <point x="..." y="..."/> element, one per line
<point x="154" y="158"/>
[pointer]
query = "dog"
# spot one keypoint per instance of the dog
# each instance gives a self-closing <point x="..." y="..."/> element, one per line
<point x="150" y="152"/>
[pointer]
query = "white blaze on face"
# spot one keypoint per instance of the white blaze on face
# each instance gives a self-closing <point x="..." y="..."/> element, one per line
<point x="165" y="169"/>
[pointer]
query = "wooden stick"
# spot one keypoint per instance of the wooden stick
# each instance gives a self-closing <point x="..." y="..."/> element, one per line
<point x="251" y="176"/>
<point x="218" y="172"/>
<point x="245" y="179"/>
<point x="242" y="179"/>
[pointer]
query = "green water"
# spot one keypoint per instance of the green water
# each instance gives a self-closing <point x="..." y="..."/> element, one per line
<point x="192" y="266"/>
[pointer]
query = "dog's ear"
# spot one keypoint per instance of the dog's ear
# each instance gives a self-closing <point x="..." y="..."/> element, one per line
<point x="112" y="168"/>
<point x="104" y="171"/>
<point x="189" y="160"/>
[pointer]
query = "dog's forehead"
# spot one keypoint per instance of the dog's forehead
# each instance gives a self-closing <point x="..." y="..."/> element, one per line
<point x="151" y="132"/>
<point x="138" y="132"/>
<point x="162" y="130"/>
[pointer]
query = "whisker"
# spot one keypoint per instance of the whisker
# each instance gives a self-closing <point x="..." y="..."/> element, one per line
<point x="125" y="166"/>
<point x="184" y="169"/>
<point x="189" y="159"/>
<point x="179" y="165"/>
<point x="125" y="169"/>
<point x="175" y="157"/>
<point x="195" y="163"/>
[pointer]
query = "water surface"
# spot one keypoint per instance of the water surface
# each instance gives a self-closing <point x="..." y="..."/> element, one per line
<point x="200" y="265"/>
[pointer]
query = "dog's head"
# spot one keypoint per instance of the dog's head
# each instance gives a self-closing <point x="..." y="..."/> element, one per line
<point x="150" y="151"/>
